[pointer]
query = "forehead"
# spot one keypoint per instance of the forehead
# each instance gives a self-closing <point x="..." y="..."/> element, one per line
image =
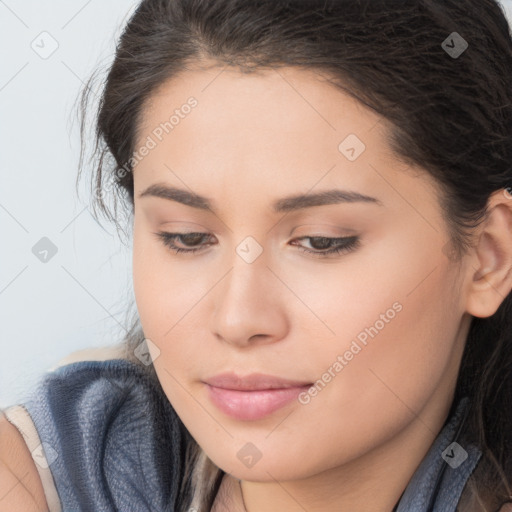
<point x="285" y="100"/>
<point x="280" y="126"/>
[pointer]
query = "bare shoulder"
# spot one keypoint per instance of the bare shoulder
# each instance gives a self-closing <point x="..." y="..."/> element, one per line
<point x="20" y="485"/>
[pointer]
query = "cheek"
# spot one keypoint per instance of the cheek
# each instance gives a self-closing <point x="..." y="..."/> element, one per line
<point x="158" y="284"/>
<point x="394" y="329"/>
<point x="398" y="351"/>
<point x="155" y="295"/>
<point x="167" y="301"/>
<point x="145" y="285"/>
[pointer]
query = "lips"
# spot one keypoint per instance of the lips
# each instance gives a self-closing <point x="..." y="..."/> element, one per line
<point x="254" y="396"/>
<point x="253" y="382"/>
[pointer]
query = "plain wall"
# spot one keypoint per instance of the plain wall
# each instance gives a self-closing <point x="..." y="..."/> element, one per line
<point x="78" y="297"/>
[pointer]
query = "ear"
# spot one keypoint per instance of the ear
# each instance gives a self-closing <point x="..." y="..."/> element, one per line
<point x="490" y="264"/>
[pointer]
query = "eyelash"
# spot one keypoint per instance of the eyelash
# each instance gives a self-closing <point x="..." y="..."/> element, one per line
<point x="350" y="243"/>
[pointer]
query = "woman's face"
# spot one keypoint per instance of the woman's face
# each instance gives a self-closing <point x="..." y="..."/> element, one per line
<point x="377" y="329"/>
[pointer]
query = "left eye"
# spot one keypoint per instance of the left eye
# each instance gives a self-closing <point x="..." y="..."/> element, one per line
<point x="341" y="245"/>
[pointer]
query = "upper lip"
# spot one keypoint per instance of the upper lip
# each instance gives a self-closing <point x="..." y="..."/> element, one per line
<point x="252" y="382"/>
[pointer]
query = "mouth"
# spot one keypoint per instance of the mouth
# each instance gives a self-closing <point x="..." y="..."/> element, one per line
<point x="253" y="397"/>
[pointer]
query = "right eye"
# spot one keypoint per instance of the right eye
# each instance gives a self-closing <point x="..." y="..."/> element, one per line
<point x="168" y="240"/>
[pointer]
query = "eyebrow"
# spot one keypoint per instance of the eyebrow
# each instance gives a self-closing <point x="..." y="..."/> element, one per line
<point x="285" y="204"/>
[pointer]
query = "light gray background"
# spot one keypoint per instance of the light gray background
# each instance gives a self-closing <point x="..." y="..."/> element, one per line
<point x="78" y="298"/>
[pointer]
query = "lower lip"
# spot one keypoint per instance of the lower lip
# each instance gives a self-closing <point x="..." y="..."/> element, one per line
<point x="252" y="405"/>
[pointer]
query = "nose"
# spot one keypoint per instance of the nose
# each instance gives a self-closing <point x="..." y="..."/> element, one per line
<point x="249" y="305"/>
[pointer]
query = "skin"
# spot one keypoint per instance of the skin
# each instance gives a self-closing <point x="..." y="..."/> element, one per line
<point x="255" y="138"/>
<point x="20" y="485"/>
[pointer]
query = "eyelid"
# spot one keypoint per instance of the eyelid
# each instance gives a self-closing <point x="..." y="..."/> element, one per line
<point x="339" y="231"/>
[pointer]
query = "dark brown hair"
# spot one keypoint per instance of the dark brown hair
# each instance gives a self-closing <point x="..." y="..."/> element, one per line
<point x="450" y="114"/>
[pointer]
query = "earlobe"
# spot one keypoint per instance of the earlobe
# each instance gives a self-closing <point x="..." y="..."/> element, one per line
<point x="490" y="271"/>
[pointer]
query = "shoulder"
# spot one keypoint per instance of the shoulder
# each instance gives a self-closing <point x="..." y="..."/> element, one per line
<point x="24" y="484"/>
<point x="113" y="437"/>
<point x="20" y="484"/>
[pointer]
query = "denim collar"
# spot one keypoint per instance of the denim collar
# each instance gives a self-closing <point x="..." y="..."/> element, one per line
<point x="446" y="460"/>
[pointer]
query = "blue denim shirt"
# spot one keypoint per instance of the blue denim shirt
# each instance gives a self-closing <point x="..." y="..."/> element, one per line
<point x="117" y="445"/>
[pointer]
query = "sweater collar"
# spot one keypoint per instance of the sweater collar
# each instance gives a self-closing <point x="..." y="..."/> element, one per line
<point x="447" y="461"/>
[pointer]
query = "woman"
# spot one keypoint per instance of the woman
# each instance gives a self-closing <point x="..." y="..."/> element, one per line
<point x="322" y="265"/>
